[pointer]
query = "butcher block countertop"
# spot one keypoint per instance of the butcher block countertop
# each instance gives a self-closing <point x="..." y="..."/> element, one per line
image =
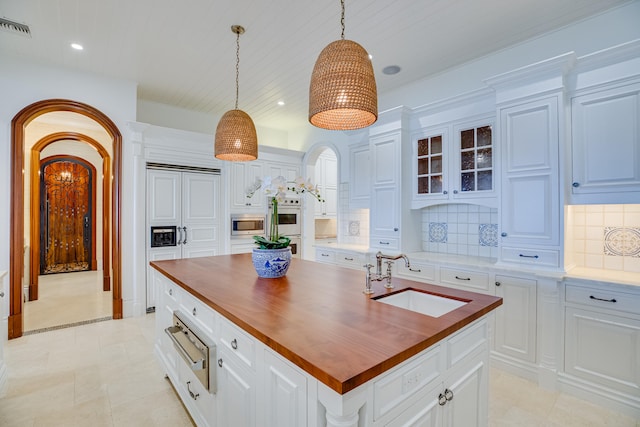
<point x="318" y="317"/>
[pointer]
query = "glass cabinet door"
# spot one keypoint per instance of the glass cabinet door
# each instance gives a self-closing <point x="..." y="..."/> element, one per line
<point x="430" y="171"/>
<point x="476" y="159"/>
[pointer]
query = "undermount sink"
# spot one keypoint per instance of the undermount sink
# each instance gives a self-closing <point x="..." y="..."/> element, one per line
<point x="422" y="302"/>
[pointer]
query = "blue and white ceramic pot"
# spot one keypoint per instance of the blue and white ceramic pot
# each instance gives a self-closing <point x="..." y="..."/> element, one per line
<point x="271" y="263"/>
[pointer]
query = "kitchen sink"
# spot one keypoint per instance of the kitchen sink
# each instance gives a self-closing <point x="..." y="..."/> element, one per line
<point x="422" y="302"/>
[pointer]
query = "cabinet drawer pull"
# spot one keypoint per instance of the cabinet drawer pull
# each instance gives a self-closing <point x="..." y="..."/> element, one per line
<point x="194" y="311"/>
<point x="448" y="394"/>
<point x="234" y="344"/>
<point x="193" y="395"/>
<point x="171" y="292"/>
<point x="529" y="256"/>
<point x="575" y="185"/>
<point x="602" y="299"/>
<point x="463" y="278"/>
<point x="348" y="259"/>
<point x="442" y="400"/>
<point x="324" y="254"/>
<point x="220" y="362"/>
<point x="384" y="243"/>
<point x="415" y="270"/>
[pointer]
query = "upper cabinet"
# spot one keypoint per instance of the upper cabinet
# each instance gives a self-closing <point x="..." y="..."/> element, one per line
<point x="243" y="175"/>
<point x="453" y="161"/>
<point x="326" y="179"/>
<point x="359" y="176"/>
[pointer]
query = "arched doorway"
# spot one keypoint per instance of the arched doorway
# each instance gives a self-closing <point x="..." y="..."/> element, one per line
<point x="18" y="155"/>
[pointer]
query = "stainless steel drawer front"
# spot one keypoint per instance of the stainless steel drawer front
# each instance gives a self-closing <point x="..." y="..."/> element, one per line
<point x="195" y="349"/>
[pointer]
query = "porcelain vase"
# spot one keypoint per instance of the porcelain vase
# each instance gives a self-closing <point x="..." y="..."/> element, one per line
<point x="271" y="263"/>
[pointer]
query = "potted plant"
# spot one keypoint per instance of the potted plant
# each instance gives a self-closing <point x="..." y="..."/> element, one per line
<point x="273" y="255"/>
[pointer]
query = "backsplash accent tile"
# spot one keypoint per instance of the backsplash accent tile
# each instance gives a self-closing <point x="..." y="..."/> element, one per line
<point x="604" y="237"/>
<point x="460" y="229"/>
<point x="621" y="241"/>
<point x="438" y="232"/>
<point x="354" y="228"/>
<point x="488" y="235"/>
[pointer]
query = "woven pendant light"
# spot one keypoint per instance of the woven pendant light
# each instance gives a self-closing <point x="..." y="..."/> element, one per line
<point x="343" y="93"/>
<point x="236" y="138"/>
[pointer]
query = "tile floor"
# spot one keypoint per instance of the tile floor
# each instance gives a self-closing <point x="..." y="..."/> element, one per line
<point x="105" y="374"/>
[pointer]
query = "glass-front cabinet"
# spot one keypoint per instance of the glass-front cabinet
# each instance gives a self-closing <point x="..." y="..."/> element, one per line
<point x="454" y="162"/>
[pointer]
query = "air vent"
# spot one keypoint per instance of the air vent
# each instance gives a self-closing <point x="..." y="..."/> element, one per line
<point x="14" y="27"/>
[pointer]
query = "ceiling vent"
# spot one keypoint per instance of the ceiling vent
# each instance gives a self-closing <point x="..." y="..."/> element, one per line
<point x="14" y="27"/>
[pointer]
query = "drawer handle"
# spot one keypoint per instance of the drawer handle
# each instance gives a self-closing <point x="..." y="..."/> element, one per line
<point x="602" y="299"/>
<point x="193" y="395"/>
<point x="448" y="394"/>
<point x="529" y="256"/>
<point x="171" y="292"/>
<point x="415" y="270"/>
<point x="220" y="362"/>
<point x="234" y="344"/>
<point x="348" y="259"/>
<point x="194" y="311"/>
<point x="463" y="278"/>
<point x="324" y="254"/>
<point x="384" y="243"/>
<point x="442" y="400"/>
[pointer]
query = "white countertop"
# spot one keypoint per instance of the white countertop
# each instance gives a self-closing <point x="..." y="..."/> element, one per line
<point x="608" y="276"/>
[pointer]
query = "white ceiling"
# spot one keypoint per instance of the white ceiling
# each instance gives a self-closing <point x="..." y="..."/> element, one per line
<point x="182" y="52"/>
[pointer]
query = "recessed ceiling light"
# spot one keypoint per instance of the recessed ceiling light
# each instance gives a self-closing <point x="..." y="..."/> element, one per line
<point x="281" y="103"/>
<point x="77" y="46"/>
<point x="391" y="69"/>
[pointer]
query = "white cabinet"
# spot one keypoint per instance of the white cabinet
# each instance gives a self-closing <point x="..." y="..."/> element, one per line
<point x="289" y="171"/>
<point x="516" y="319"/>
<point x="455" y="162"/>
<point x="326" y="178"/>
<point x="468" y="280"/>
<point x="285" y="394"/>
<point x="605" y="142"/>
<point x="602" y="340"/>
<point x="530" y="207"/>
<point x="190" y="202"/>
<point x="236" y="392"/>
<point x="359" y="176"/>
<point x="242" y="176"/>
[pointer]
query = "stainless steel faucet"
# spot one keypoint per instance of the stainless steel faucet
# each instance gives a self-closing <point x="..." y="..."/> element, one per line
<point x="378" y="277"/>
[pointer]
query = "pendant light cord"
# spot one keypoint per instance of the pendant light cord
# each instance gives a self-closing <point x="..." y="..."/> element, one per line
<point x="342" y="18"/>
<point x="237" y="66"/>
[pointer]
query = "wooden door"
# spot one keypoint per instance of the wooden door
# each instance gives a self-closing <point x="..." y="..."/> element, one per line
<point x="66" y="215"/>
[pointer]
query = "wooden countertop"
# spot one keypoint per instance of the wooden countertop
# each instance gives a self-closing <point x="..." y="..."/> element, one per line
<point x="317" y="316"/>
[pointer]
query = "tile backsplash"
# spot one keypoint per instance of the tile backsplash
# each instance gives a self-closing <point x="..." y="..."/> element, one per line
<point x="460" y="229"/>
<point x="604" y="236"/>
<point x="354" y="223"/>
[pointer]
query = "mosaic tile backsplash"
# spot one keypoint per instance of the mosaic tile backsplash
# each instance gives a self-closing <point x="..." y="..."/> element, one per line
<point x="460" y="229"/>
<point x="604" y="236"/>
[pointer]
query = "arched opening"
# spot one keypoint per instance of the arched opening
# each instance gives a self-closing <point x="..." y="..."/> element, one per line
<point x="18" y="156"/>
<point x="321" y="159"/>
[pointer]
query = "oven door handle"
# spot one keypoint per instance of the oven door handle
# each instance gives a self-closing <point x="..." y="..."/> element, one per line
<point x="195" y="365"/>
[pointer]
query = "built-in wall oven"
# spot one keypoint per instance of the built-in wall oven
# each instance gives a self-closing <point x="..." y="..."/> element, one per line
<point x="289" y="222"/>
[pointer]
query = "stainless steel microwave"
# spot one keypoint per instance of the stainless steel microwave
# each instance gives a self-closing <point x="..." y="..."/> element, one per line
<point x="247" y="225"/>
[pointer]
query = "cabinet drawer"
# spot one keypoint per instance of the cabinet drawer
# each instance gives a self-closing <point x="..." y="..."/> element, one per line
<point x="541" y="257"/>
<point x="393" y="389"/>
<point x="172" y="295"/>
<point x="239" y="343"/>
<point x="464" y="278"/>
<point x="353" y="260"/>
<point x="464" y="343"/>
<point x="603" y="298"/>
<point x="422" y="272"/>
<point x="325" y="255"/>
<point x="197" y="399"/>
<point x="385" y="243"/>
<point x="198" y="312"/>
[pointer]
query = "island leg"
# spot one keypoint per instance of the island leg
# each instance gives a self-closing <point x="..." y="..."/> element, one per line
<point x="342" y="410"/>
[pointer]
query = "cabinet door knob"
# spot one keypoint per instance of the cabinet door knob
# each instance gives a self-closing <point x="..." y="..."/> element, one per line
<point x="395" y="229"/>
<point x="503" y="234"/>
<point x="448" y="394"/>
<point x="220" y="362"/>
<point x="445" y="192"/>
<point x="171" y="292"/>
<point x="194" y="311"/>
<point x="455" y="191"/>
<point x="575" y="185"/>
<point x="442" y="400"/>
<point x="498" y="283"/>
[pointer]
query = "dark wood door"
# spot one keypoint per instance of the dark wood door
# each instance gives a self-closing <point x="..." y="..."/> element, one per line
<point x="66" y="194"/>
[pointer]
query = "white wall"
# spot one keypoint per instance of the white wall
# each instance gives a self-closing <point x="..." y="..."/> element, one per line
<point x="23" y="83"/>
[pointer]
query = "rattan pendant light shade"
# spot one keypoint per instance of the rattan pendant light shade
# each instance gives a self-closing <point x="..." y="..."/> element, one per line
<point x="236" y="138"/>
<point x="343" y="93"/>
